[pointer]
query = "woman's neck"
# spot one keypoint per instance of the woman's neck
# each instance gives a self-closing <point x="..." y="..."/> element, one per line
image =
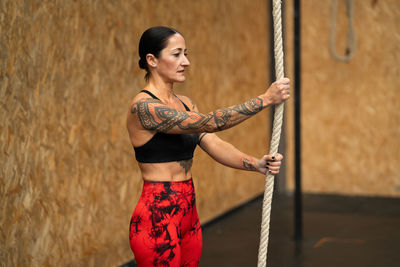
<point x="162" y="89"/>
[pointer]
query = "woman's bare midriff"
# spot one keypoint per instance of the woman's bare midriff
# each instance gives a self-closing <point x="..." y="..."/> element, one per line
<point x="165" y="172"/>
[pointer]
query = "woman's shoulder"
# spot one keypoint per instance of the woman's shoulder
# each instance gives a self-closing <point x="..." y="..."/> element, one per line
<point x="142" y="94"/>
<point x="188" y="102"/>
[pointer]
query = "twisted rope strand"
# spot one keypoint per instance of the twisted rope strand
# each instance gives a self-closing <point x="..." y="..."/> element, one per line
<point x="276" y="133"/>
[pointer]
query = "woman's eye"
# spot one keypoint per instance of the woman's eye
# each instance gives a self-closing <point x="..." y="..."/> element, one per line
<point x="186" y="54"/>
<point x="176" y="55"/>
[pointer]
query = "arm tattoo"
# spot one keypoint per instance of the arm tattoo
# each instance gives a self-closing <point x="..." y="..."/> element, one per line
<point x="186" y="164"/>
<point x="154" y="116"/>
<point x="164" y="118"/>
<point x="133" y="109"/>
<point x="248" y="165"/>
<point x="221" y="118"/>
<point x="249" y="108"/>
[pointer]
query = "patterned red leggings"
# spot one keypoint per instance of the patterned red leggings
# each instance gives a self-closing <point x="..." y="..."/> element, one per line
<point x="165" y="228"/>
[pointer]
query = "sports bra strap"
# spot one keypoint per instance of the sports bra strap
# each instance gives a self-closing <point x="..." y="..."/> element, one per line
<point x="150" y="94"/>
<point x="154" y="97"/>
<point x="186" y="107"/>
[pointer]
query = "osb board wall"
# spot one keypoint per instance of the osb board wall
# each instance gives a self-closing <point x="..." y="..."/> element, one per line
<point x="69" y="181"/>
<point x="350" y="111"/>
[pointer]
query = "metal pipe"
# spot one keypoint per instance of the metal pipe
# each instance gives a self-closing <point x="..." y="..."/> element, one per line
<point x="298" y="215"/>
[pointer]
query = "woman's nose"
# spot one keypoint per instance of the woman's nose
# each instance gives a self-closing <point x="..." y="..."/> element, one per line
<point x="185" y="61"/>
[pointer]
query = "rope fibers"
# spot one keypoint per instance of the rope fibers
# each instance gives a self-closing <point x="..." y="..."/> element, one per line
<point x="276" y="134"/>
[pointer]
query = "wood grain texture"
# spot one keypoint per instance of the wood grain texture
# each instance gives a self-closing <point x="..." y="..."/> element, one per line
<point x="68" y="71"/>
<point x="350" y="111"/>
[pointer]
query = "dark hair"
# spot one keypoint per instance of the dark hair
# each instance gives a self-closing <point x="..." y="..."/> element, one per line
<point x="153" y="40"/>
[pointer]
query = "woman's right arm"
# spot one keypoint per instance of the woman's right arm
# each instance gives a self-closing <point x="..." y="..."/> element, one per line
<point x="154" y="115"/>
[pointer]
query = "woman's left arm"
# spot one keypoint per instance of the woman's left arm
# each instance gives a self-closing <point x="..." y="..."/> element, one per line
<point x="228" y="155"/>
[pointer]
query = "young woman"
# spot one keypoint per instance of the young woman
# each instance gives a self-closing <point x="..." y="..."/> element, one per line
<point x="165" y="129"/>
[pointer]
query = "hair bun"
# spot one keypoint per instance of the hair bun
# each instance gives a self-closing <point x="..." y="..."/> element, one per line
<point x="142" y="64"/>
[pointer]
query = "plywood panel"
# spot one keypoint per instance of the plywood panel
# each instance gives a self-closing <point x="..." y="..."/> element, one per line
<point x="350" y="118"/>
<point x="68" y="70"/>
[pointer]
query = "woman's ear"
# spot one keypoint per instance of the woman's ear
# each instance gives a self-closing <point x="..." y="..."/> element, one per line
<point x="151" y="60"/>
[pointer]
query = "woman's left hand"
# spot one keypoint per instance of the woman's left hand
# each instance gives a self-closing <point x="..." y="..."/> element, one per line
<point x="269" y="163"/>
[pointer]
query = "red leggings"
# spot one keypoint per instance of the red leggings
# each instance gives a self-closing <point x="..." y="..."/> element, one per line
<point x="165" y="228"/>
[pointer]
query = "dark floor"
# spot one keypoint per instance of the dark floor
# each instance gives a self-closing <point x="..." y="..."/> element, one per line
<point x="337" y="231"/>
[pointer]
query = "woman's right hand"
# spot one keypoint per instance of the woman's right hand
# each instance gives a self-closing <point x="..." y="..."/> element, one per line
<point x="278" y="92"/>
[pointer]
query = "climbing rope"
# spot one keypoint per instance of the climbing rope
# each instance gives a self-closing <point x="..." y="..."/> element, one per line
<point x="351" y="39"/>
<point x="276" y="134"/>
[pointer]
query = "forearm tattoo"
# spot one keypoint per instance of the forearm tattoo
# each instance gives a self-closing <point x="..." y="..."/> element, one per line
<point x="153" y="115"/>
<point x="222" y="117"/>
<point x="250" y="108"/>
<point x="248" y="165"/>
<point x="186" y="164"/>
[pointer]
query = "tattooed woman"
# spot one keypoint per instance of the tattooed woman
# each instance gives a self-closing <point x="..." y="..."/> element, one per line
<point x="165" y="129"/>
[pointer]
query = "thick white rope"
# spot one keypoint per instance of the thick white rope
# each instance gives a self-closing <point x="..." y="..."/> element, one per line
<point x="276" y="134"/>
<point x="351" y="39"/>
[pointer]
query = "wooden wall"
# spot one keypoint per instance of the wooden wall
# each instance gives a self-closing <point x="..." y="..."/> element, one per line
<point x="350" y="111"/>
<point x="68" y="70"/>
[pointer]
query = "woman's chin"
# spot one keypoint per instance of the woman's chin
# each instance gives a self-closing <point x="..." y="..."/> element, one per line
<point x="180" y="79"/>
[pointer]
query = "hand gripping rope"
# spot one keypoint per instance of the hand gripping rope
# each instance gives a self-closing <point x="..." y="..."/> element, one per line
<point x="276" y="134"/>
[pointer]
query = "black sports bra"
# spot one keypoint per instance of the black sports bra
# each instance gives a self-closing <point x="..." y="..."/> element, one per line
<point x="163" y="147"/>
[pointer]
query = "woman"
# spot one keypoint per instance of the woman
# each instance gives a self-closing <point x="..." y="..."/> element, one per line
<point x="164" y="129"/>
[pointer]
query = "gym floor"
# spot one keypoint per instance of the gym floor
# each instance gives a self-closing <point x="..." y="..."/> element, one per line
<point x="337" y="231"/>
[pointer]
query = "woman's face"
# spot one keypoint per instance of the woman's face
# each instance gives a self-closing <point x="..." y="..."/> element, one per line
<point x="172" y="60"/>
